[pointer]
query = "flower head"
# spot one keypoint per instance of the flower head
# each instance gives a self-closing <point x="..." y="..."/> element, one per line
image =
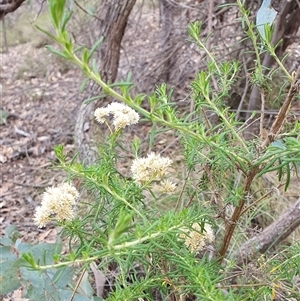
<point x="57" y="202"/>
<point x="152" y="168"/>
<point x="196" y="239"/>
<point x="123" y="115"/>
<point x="167" y="187"/>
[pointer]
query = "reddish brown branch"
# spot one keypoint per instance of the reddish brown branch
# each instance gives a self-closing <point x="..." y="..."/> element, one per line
<point x="295" y="87"/>
<point x="277" y="125"/>
<point x="236" y="214"/>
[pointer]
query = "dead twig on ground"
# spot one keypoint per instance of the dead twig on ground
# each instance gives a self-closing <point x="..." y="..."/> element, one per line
<point x="31" y="185"/>
<point x="273" y="234"/>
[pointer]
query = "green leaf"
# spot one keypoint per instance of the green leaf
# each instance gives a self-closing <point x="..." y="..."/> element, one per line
<point x="57" y="9"/>
<point x="6" y="241"/>
<point x="3" y="117"/>
<point x="67" y="294"/>
<point x="37" y="284"/>
<point x="61" y="54"/>
<point x="95" y="46"/>
<point x="6" y="253"/>
<point x="11" y="230"/>
<point x="78" y="48"/>
<point x="83" y="84"/>
<point x="288" y="177"/>
<point x="91" y="10"/>
<point x="46" y="32"/>
<point x="9" y="280"/>
<point x="65" y="20"/>
<point x="102" y="95"/>
<point x="94" y="66"/>
<point x="120" y="84"/>
<point x="84" y="56"/>
<point x="63" y="276"/>
<point x="43" y="252"/>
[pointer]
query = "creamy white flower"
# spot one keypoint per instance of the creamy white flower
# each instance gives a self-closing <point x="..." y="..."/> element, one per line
<point x="196" y="239"/>
<point x="152" y="168"/>
<point x="167" y="186"/>
<point x="57" y="202"/>
<point x="122" y="115"/>
<point x="100" y="113"/>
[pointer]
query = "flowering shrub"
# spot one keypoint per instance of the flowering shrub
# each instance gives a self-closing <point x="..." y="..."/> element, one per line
<point x="135" y="248"/>
<point x="123" y="115"/>
<point x="152" y="168"/>
<point x="59" y="202"/>
<point x="197" y="238"/>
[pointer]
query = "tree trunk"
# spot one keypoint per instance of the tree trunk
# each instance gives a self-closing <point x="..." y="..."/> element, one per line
<point x="287" y="23"/>
<point x="9" y="6"/>
<point x="5" y="8"/>
<point x="113" y="16"/>
<point x="168" y="14"/>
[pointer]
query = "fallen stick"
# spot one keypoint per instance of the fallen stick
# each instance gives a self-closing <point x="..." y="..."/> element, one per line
<point x="270" y="236"/>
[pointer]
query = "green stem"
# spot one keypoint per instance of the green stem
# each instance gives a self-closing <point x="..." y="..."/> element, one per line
<point x="251" y="34"/>
<point x="155" y="119"/>
<point x="112" y="248"/>
<point x="275" y="57"/>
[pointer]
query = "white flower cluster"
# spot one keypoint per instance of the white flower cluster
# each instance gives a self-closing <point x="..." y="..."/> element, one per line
<point x="152" y="168"/>
<point x="122" y="115"/>
<point x="57" y="202"/>
<point x="167" y="187"/>
<point x="195" y="239"/>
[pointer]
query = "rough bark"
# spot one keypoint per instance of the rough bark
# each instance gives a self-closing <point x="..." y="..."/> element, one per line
<point x="113" y="16"/>
<point x="8" y="6"/>
<point x="168" y="14"/>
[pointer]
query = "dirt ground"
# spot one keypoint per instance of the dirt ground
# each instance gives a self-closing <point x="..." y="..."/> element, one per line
<point x="38" y="107"/>
<point x="39" y="102"/>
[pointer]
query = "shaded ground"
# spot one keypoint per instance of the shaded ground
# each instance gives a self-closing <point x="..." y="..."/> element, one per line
<point x="38" y="95"/>
<point x="39" y="102"/>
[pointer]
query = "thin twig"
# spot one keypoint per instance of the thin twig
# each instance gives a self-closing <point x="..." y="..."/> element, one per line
<point x="7" y="194"/>
<point x="30" y="185"/>
<point x="278" y="123"/>
<point x="39" y="12"/>
<point x="210" y="19"/>
<point x="4" y="35"/>
<point x="239" y="109"/>
<point x="182" y="190"/>
<point x="260" y="199"/>
<point x="247" y="123"/>
<point x="77" y="285"/>
<point x="245" y="285"/>
<point x="267" y="112"/>
<point x="85" y="11"/>
<point x="261" y="123"/>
